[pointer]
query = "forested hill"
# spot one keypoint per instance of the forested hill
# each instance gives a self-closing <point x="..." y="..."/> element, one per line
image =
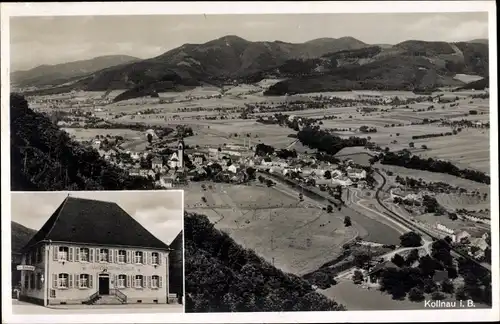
<point x="222" y="276"/>
<point x="43" y="157"/>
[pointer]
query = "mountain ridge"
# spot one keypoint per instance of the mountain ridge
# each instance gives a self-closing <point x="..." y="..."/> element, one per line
<point x="338" y="62"/>
<point x="56" y="73"/>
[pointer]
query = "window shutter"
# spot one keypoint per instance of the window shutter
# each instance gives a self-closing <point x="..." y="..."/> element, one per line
<point x="111" y="255"/>
<point x="117" y="253"/>
<point x="55" y="253"/>
<point x="150" y="257"/>
<point x="145" y="257"/>
<point x="98" y="255"/>
<point x="127" y="281"/>
<point x="54" y="281"/>
<point x="70" y="254"/>
<point x="70" y="281"/>
<point x="159" y="281"/>
<point x="115" y="280"/>
<point x="128" y="257"/>
<point x="91" y="255"/>
<point x="159" y="258"/>
<point x="149" y="281"/>
<point x="77" y="281"/>
<point x="90" y="281"/>
<point x="77" y="255"/>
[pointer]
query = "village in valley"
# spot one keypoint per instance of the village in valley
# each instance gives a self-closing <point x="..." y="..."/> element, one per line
<point x="256" y="167"/>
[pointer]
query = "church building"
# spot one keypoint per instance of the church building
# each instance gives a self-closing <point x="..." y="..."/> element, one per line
<point x="93" y="252"/>
<point x="177" y="158"/>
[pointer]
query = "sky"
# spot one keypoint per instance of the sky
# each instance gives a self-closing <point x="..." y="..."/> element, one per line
<point x="52" y="40"/>
<point x="159" y="212"/>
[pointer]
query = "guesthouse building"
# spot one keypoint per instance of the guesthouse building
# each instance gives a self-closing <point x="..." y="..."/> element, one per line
<point x="94" y="252"/>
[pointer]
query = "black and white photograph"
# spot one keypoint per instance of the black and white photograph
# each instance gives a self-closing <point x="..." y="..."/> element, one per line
<point x="330" y="157"/>
<point x="97" y="251"/>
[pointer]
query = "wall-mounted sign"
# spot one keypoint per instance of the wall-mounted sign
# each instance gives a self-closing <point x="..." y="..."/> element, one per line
<point x="109" y="267"/>
<point x="24" y="267"/>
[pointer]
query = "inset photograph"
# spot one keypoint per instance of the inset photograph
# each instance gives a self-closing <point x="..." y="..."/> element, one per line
<point x="104" y="251"/>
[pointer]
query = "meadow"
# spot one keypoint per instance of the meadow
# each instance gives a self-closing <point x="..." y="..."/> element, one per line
<point x="297" y="237"/>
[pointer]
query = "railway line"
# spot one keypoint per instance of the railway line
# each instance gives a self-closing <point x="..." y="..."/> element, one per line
<point x="417" y="228"/>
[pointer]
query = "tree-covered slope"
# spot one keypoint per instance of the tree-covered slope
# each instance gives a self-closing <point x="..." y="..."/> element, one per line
<point x="222" y="276"/>
<point x="43" y="157"/>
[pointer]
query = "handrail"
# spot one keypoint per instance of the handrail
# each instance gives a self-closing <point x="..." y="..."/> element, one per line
<point x="92" y="297"/>
<point x="119" y="294"/>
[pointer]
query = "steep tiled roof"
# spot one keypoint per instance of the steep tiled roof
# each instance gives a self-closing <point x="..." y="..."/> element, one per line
<point x="88" y="221"/>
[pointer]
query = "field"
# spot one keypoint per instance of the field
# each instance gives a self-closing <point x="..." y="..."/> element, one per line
<point x="297" y="237"/>
<point x="434" y="177"/>
<point x="258" y="133"/>
<point x="90" y="133"/>
<point x="450" y="148"/>
<point x="454" y="201"/>
<point x="133" y="140"/>
<point x="190" y="108"/>
<point x="469" y="149"/>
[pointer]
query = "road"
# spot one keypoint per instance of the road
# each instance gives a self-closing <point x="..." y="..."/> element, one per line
<point x="22" y="308"/>
<point x="401" y="228"/>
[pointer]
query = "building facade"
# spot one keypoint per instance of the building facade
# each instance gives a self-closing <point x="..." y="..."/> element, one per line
<point x="118" y="262"/>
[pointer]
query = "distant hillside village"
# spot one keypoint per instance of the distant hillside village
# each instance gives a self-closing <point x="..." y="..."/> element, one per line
<point x="173" y="166"/>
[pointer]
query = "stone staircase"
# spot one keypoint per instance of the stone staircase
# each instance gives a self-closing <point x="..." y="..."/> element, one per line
<point x="107" y="300"/>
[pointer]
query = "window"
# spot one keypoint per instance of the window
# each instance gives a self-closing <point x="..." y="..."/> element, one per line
<point x="39" y="281"/>
<point x="122" y="256"/>
<point x="139" y="281"/>
<point x="138" y="257"/>
<point x="121" y="281"/>
<point x="26" y="281"/>
<point x="63" y="253"/>
<point x="63" y="280"/>
<point x="154" y="258"/>
<point x="155" y="282"/>
<point x="84" y="281"/>
<point x="104" y="255"/>
<point x="32" y="281"/>
<point x="84" y="254"/>
<point x="39" y="255"/>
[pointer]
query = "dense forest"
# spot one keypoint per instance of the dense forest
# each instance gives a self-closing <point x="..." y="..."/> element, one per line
<point x="224" y="277"/>
<point x="323" y="141"/>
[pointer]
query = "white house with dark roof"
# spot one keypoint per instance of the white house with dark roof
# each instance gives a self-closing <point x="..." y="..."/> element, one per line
<point x="156" y="163"/>
<point x="93" y="252"/>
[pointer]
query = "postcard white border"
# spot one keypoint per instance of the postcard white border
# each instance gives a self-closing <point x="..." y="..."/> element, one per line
<point x="147" y="8"/>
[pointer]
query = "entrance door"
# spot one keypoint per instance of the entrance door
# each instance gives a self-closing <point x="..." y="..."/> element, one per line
<point x="103" y="285"/>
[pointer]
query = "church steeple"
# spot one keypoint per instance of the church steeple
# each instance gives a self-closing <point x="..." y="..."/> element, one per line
<point x="180" y="153"/>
